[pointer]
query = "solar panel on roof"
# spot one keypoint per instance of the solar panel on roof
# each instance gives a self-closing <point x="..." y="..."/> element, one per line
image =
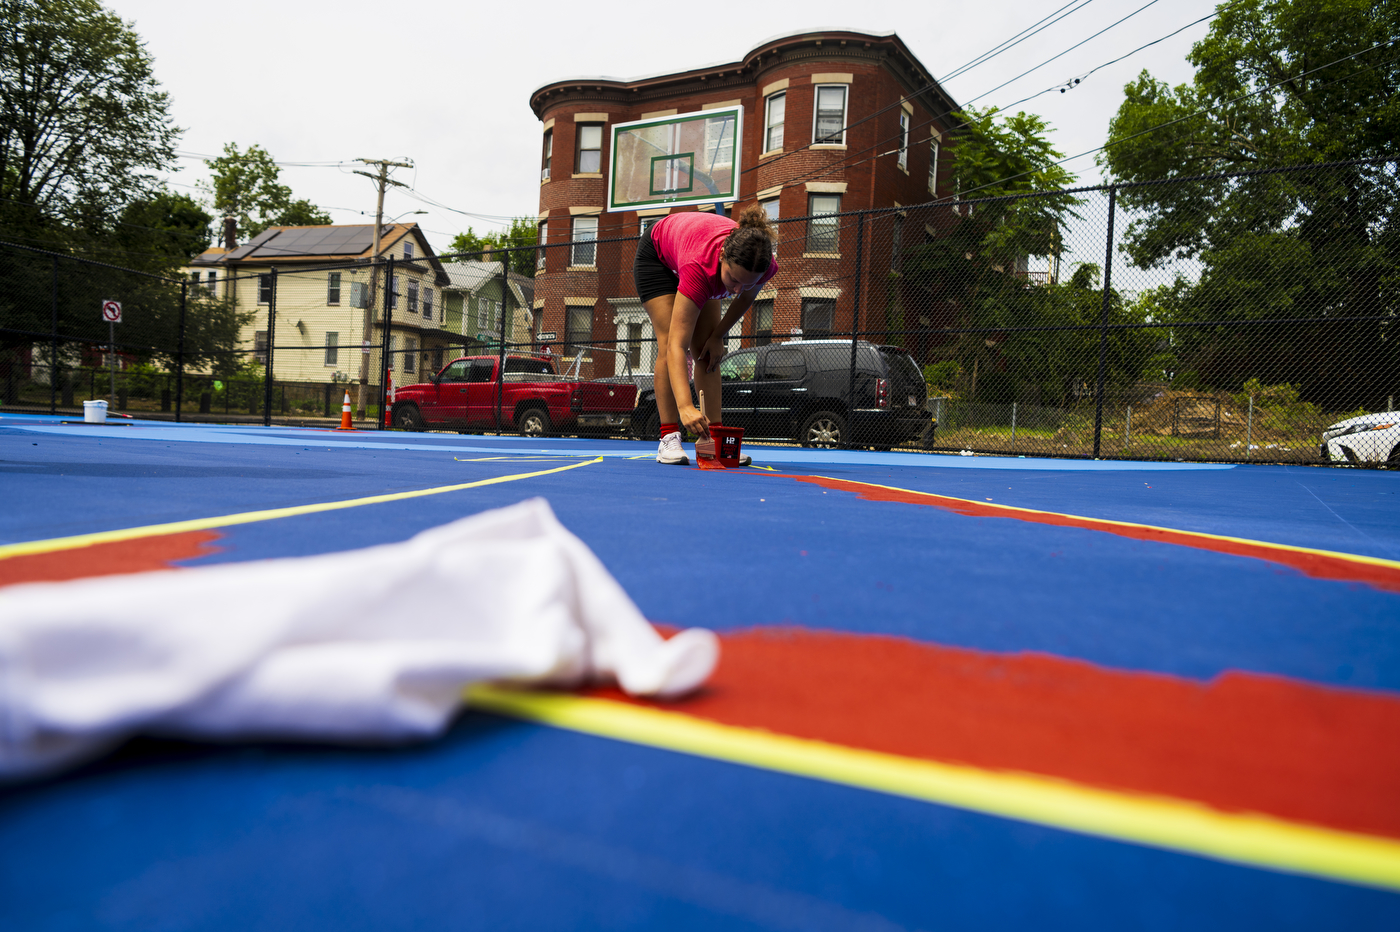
<point x="319" y="241"/>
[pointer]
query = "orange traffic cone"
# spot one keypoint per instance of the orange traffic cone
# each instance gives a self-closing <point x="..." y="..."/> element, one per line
<point x="389" y="401"/>
<point x="345" y="422"/>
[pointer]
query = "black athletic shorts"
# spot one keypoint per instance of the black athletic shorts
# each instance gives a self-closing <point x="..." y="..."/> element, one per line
<point x="650" y="273"/>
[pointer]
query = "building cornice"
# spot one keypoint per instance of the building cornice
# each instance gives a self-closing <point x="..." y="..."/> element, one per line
<point x="743" y="76"/>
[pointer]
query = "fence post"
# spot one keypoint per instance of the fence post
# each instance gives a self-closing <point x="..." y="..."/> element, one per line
<point x="1103" y="320"/>
<point x="53" y="349"/>
<point x="271" y="341"/>
<point x="501" y="347"/>
<point x="386" y="360"/>
<point x="180" y="353"/>
<point x="1249" y="430"/>
<point x="1013" y="427"/>
<point x="855" y="335"/>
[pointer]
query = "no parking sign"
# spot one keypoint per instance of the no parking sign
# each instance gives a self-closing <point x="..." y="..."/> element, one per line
<point x="112" y="312"/>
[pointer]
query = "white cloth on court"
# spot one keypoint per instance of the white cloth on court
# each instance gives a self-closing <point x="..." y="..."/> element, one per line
<point x="364" y="645"/>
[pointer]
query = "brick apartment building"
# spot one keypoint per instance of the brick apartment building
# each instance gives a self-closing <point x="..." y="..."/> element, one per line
<point x="833" y="121"/>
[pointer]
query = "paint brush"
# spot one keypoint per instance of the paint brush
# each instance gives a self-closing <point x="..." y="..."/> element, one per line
<point x="704" y="446"/>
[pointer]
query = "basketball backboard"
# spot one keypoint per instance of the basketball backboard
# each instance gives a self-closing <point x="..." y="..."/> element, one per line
<point x="675" y="161"/>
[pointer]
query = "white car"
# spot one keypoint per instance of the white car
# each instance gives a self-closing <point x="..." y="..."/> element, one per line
<point x="1370" y="438"/>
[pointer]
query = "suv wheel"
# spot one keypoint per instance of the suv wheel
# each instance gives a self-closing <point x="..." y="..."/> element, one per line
<point x="825" y="429"/>
<point x="534" y="423"/>
<point x="409" y="418"/>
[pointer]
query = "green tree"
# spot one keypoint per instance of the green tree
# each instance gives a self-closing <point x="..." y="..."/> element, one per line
<point x="83" y="121"/>
<point x="84" y="128"/>
<point x="521" y="237"/>
<point x="1270" y="91"/>
<point x="973" y="266"/>
<point x="164" y="224"/>
<point x="245" y="186"/>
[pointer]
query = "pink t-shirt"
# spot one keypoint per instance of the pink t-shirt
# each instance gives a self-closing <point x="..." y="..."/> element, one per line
<point x="689" y="244"/>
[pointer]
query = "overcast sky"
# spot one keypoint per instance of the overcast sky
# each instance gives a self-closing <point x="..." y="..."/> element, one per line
<point x="447" y="84"/>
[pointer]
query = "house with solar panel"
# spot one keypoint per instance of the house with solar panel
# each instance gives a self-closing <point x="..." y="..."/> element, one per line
<point x="317" y="294"/>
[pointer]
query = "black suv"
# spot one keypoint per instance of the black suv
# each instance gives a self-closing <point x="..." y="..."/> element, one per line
<point x="801" y="390"/>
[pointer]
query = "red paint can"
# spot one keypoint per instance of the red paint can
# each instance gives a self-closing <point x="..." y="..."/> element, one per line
<point x="727" y="443"/>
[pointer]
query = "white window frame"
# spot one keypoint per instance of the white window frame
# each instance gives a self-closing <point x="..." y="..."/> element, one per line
<point x="769" y="125"/>
<point x="332" y="347"/>
<point x="579" y="149"/>
<point x="905" y="119"/>
<point x="412" y="297"/>
<point x="408" y="252"/>
<point x="933" y="165"/>
<point x="761" y="307"/>
<point x="581" y="339"/>
<point x="845" y="90"/>
<point x="541" y="237"/>
<point x="333" y="288"/>
<point x="773" y="209"/>
<point x="823" y="218"/>
<point x="585" y="230"/>
<point x="548" y="157"/>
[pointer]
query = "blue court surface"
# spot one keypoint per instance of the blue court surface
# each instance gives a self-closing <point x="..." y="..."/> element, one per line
<point x="1119" y="584"/>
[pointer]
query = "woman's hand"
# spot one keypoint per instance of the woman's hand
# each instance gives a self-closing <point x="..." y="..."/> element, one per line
<point x="711" y="354"/>
<point x="695" y="421"/>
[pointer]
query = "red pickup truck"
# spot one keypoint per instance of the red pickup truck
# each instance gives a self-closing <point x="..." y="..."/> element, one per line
<point x="534" y="399"/>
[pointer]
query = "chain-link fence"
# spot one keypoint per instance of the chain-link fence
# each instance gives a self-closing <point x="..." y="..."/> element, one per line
<point x="1246" y="317"/>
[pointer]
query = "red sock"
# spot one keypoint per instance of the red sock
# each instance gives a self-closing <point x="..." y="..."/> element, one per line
<point x="669" y="429"/>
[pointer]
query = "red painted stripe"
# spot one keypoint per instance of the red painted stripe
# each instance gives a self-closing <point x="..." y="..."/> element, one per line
<point x="1240" y="742"/>
<point x="110" y="559"/>
<point x="1315" y="565"/>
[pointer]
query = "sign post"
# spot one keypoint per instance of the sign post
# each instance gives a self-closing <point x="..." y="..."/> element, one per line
<point x="112" y="313"/>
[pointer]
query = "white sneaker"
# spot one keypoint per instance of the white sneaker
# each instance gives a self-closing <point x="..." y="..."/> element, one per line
<point x="670" y="452"/>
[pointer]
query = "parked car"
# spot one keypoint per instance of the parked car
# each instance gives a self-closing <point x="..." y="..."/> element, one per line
<point x="534" y="400"/>
<point x="801" y="390"/>
<point x="1370" y="438"/>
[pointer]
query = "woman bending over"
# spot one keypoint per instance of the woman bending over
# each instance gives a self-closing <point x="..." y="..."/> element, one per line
<point x="686" y="264"/>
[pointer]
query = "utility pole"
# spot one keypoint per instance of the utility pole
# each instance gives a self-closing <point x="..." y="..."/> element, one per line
<point x="381" y="181"/>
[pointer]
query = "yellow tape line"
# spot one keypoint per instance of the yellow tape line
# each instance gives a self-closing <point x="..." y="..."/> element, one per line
<point x="1163" y="822"/>
<point x="1337" y="554"/>
<point x="249" y="517"/>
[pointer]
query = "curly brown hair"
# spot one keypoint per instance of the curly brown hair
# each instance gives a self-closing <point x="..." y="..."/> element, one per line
<point x="750" y="244"/>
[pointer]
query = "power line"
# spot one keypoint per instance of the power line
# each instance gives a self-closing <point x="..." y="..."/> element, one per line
<point x="845" y="161"/>
<point x="982" y="59"/>
<point x="1065" y="52"/>
<point x="1009" y="44"/>
<point x="1205" y="110"/>
<point x="243" y="158"/>
<point x="963" y="196"/>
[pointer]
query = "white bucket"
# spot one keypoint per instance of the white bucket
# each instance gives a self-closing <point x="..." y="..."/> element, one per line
<point x="95" y="412"/>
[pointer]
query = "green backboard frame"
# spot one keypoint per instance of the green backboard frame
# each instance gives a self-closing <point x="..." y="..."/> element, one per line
<point x="676" y="161"/>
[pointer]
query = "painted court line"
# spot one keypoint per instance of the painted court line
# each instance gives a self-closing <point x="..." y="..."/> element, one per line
<point x="250" y="517"/>
<point x="1320" y="564"/>
<point x="1163" y="822"/>
<point x="376" y="440"/>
